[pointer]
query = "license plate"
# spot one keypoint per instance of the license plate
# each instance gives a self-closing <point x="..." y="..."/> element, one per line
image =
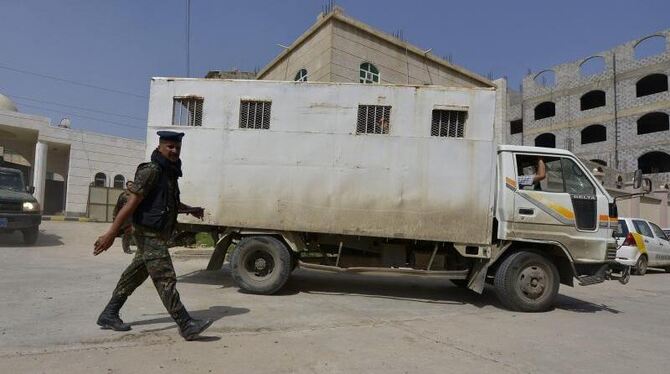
<point x="3" y="222"/>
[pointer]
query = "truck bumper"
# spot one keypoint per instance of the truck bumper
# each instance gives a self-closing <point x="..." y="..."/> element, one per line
<point x="18" y="221"/>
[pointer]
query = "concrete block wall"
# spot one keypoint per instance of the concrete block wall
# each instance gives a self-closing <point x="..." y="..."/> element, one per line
<point x="570" y="120"/>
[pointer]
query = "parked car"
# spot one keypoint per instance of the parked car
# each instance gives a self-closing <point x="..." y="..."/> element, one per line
<point x="644" y="244"/>
<point x="19" y="210"/>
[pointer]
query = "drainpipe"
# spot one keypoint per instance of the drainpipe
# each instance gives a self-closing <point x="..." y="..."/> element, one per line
<point x="616" y="114"/>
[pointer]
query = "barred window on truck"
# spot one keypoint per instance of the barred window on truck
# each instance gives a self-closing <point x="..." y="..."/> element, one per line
<point x="373" y="119"/>
<point x="448" y="123"/>
<point x="255" y="114"/>
<point x="187" y="111"/>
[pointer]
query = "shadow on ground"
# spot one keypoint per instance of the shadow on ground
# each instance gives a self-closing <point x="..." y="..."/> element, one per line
<point x="15" y="239"/>
<point x="417" y="289"/>
<point x="214" y="314"/>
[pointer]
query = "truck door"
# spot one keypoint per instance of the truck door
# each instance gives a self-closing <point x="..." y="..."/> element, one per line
<point x="564" y="206"/>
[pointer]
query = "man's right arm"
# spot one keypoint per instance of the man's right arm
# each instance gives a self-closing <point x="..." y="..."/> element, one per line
<point x="107" y="239"/>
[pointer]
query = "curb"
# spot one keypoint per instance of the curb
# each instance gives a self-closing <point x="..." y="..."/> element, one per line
<point x="70" y="219"/>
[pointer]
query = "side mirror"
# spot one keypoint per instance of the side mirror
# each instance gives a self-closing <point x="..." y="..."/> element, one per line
<point x="637" y="179"/>
<point x="30" y="189"/>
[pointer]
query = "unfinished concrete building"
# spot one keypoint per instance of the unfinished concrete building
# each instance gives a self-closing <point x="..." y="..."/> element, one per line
<point x="611" y="108"/>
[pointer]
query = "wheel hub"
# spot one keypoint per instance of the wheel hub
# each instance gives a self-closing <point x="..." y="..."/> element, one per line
<point x="260" y="264"/>
<point x="533" y="282"/>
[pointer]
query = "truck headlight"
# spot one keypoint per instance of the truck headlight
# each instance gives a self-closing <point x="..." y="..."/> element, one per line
<point x="30" y="206"/>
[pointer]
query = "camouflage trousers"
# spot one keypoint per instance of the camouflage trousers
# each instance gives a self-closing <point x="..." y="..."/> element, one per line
<point x="152" y="259"/>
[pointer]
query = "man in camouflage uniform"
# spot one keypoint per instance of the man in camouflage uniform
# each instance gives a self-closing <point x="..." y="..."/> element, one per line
<point x="153" y="204"/>
<point x="126" y="230"/>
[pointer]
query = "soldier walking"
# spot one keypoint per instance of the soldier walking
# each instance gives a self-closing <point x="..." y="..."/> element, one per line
<point x="153" y="204"/>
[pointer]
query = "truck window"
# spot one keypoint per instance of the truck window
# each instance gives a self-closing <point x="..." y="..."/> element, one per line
<point x="658" y="232"/>
<point x="642" y="228"/>
<point x="527" y="167"/>
<point x="576" y="182"/>
<point x="10" y="180"/>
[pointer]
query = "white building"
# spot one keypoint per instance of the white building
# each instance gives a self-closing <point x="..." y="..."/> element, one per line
<point x="62" y="163"/>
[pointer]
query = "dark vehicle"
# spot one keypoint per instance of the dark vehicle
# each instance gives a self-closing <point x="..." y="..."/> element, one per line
<point x="19" y="210"/>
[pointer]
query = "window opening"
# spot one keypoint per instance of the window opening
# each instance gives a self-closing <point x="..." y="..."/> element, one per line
<point x="545" y="110"/>
<point x="649" y="46"/>
<point x="654" y="162"/>
<point x="592" y="99"/>
<point x="448" y="123"/>
<point x="373" y="119"/>
<point x="119" y="181"/>
<point x="368" y="73"/>
<point x="547" y="140"/>
<point x="546" y="78"/>
<point x="255" y="114"/>
<point x="592" y="66"/>
<point x="653" y="122"/>
<point x="187" y="111"/>
<point x="651" y="84"/>
<point x="594" y="134"/>
<point x="301" y="76"/>
<point x="516" y="126"/>
<point x="100" y="180"/>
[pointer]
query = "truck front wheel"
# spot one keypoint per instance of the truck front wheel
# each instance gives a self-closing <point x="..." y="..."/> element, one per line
<point x="261" y="264"/>
<point x="527" y="282"/>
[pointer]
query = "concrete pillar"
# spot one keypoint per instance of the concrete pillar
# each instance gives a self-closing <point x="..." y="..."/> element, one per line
<point x="40" y="170"/>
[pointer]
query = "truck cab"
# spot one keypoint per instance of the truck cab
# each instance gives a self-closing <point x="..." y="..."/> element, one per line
<point x="19" y="210"/>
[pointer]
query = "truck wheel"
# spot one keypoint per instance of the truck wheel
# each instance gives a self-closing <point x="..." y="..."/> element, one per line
<point x="527" y="282"/>
<point x="641" y="265"/>
<point x="30" y="235"/>
<point x="260" y="265"/>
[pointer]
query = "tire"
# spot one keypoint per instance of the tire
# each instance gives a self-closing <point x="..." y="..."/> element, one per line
<point x="30" y="235"/>
<point x="261" y="265"/>
<point x="641" y="265"/>
<point x="527" y="282"/>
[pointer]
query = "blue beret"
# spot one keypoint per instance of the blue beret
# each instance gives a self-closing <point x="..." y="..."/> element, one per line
<point x="170" y="135"/>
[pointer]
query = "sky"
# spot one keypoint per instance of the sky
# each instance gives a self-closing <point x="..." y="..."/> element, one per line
<point x="92" y="60"/>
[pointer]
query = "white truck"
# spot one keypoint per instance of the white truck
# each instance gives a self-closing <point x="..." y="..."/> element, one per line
<point x="379" y="179"/>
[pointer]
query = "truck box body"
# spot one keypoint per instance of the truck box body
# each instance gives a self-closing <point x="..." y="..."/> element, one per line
<point x="310" y="171"/>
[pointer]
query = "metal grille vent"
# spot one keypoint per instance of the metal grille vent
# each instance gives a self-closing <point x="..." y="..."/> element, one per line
<point x="255" y="114"/>
<point x="187" y="111"/>
<point x="448" y="123"/>
<point x="373" y="119"/>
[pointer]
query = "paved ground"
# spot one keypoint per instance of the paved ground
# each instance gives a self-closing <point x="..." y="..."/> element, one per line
<point x="53" y="292"/>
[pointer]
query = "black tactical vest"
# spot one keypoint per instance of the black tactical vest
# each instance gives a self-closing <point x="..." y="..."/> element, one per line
<point x="155" y="212"/>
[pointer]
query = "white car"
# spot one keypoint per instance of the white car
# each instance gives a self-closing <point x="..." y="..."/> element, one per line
<point x="642" y="244"/>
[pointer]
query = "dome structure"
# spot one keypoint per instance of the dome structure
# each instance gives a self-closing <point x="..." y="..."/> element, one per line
<point x="6" y="104"/>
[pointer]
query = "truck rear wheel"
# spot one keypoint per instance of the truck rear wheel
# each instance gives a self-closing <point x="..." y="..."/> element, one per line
<point x="30" y="235"/>
<point x="527" y="282"/>
<point x="260" y="265"/>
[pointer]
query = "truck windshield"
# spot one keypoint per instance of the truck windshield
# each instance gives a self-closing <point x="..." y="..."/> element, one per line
<point x="10" y="180"/>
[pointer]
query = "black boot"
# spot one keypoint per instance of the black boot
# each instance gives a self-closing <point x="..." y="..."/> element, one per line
<point x="190" y="328"/>
<point x="109" y="318"/>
